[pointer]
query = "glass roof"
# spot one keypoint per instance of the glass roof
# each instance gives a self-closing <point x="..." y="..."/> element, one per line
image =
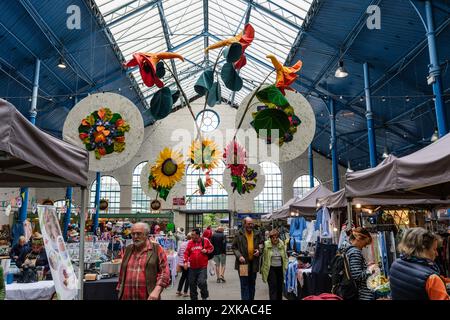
<point x="183" y="26"/>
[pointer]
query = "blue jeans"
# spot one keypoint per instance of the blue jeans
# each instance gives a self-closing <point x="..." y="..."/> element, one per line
<point x="248" y="286"/>
<point x="198" y="278"/>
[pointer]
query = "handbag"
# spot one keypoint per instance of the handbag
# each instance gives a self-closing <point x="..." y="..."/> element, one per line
<point x="243" y="270"/>
<point x="28" y="275"/>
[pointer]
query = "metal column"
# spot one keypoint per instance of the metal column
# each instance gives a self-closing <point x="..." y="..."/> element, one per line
<point x="311" y="167"/>
<point x="435" y="71"/>
<point x="32" y="118"/>
<point x="81" y="252"/>
<point x="369" y="117"/>
<point x="69" y="192"/>
<point x="334" y="159"/>
<point x="97" y="203"/>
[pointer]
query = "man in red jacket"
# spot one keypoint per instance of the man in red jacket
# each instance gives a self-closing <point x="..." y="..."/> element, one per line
<point x="196" y="254"/>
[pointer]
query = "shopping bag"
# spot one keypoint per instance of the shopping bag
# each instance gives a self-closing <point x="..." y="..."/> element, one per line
<point x="243" y="270"/>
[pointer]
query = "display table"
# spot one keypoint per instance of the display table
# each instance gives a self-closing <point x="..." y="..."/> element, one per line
<point x="104" y="289"/>
<point x="41" y="290"/>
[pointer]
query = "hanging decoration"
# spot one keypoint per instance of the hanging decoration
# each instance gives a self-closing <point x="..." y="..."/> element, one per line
<point x="286" y="76"/>
<point x="236" y="59"/>
<point x="166" y="172"/>
<point x="294" y="120"/>
<point x="103" y="204"/>
<point x="243" y="178"/>
<point x="103" y="132"/>
<point x="109" y="126"/>
<point x="204" y="155"/>
<point x="152" y="69"/>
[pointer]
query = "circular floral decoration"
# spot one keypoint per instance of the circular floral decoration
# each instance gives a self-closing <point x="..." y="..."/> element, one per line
<point x="166" y="172"/>
<point x="103" y="132"/>
<point x="204" y="155"/>
<point x="243" y="178"/>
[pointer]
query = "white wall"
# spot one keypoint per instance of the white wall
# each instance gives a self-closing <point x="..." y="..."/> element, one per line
<point x="159" y="136"/>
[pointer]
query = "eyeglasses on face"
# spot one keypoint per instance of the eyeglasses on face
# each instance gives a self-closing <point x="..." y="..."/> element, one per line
<point x="137" y="234"/>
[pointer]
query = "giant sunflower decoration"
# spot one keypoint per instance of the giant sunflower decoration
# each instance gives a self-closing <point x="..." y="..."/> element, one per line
<point x="204" y="155"/>
<point x="166" y="172"/>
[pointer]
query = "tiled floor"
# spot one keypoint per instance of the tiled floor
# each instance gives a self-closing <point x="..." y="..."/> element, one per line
<point x="223" y="291"/>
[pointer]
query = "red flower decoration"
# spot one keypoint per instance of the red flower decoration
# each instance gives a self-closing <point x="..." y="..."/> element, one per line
<point x="147" y="65"/>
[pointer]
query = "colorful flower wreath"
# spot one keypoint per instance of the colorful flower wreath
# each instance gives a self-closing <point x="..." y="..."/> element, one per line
<point x="103" y="132"/>
<point x="166" y="172"/>
<point x="243" y="178"/>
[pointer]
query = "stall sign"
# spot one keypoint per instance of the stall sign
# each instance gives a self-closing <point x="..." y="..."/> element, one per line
<point x="179" y="201"/>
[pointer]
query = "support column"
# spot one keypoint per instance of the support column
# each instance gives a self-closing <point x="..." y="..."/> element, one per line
<point x="82" y="234"/>
<point x="311" y="167"/>
<point x="32" y="118"/>
<point x="334" y="158"/>
<point x="69" y="192"/>
<point x="369" y="117"/>
<point x="435" y="71"/>
<point x="97" y="203"/>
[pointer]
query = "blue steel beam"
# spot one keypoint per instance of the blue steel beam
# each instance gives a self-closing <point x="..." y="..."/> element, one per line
<point x="97" y="202"/>
<point x="148" y="5"/>
<point x="334" y="159"/>
<point x="206" y="29"/>
<point x="435" y="71"/>
<point x="369" y="116"/>
<point x="56" y="43"/>
<point x="346" y="45"/>
<point x="311" y="166"/>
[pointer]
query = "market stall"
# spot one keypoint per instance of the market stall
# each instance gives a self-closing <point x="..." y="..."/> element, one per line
<point x="30" y="157"/>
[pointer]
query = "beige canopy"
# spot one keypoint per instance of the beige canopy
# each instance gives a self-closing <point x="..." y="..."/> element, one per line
<point x="424" y="174"/>
<point x="30" y="157"/>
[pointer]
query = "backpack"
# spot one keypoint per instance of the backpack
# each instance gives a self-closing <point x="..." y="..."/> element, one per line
<point x="342" y="283"/>
<point x="210" y="255"/>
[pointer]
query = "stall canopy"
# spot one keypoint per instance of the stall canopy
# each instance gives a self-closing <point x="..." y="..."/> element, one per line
<point x="425" y="174"/>
<point x="305" y="205"/>
<point x="338" y="200"/>
<point x="30" y="157"/>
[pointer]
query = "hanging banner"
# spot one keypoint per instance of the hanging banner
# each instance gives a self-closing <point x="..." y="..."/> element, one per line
<point x="63" y="274"/>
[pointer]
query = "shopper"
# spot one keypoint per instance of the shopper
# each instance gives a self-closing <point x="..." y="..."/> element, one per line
<point x="184" y="272"/>
<point x="274" y="265"/>
<point x="415" y="276"/>
<point x="35" y="256"/>
<point x="208" y="233"/>
<point x="359" y="238"/>
<point x="247" y="246"/>
<point x="144" y="272"/>
<point x="19" y="248"/>
<point x="196" y="259"/>
<point x="219" y="241"/>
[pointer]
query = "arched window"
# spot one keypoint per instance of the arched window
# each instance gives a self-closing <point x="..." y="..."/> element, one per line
<point x="302" y="186"/>
<point x="140" y="202"/>
<point x="272" y="195"/>
<point x="109" y="190"/>
<point x="215" y="198"/>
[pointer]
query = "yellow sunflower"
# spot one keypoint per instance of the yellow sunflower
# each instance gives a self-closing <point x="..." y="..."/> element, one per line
<point x="169" y="168"/>
<point x="204" y="155"/>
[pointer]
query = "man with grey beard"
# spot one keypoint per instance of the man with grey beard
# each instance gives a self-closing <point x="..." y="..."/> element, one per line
<point x="144" y="272"/>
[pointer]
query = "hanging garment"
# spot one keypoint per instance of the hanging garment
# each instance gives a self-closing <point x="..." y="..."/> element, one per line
<point x="291" y="277"/>
<point x="326" y="219"/>
<point x="343" y="239"/>
<point x="322" y="257"/>
<point x="319" y="219"/>
<point x="298" y="225"/>
<point x="27" y="229"/>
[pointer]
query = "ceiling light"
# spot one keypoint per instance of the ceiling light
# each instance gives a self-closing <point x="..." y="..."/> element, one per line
<point x="383" y="99"/>
<point x="407" y="99"/>
<point x="361" y="99"/>
<point x="435" y="136"/>
<point x="349" y="169"/>
<point x="341" y="72"/>
<point x="385" y="153"/>
<point x="358" y="205"/>
<point x="341" y="97"/>
<point x="62" y="63"/>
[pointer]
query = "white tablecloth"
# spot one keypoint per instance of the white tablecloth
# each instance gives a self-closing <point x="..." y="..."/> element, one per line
<point x="41" y="290"/>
